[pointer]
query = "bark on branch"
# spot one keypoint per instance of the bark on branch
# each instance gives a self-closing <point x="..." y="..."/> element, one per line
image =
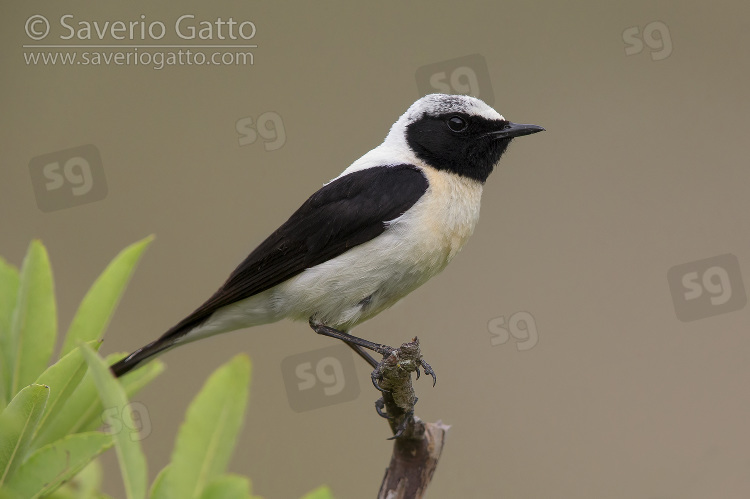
<point x="417" y="450"/>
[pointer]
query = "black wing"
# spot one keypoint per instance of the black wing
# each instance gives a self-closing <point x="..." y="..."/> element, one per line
<point x="341" y="215"/>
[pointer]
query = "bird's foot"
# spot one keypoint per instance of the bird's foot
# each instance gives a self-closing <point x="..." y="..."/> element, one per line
<point x="379" y="405"/>
<point x="398" y="363"/>
<point x="427" y="370"/>
<point x="408" y="418"/>
<point x="378" y="373"/>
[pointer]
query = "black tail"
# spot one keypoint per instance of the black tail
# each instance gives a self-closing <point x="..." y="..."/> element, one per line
<point x="141" y="355"/>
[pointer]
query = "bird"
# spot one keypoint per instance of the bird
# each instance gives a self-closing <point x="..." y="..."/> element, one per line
<point x="387" y="224"/>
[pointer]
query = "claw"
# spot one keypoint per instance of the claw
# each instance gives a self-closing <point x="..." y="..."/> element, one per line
<point x="379" y="404"/>
<point x="375" y="378"/>
<point x="428" y="370"/>
<point x="402" y="426"/>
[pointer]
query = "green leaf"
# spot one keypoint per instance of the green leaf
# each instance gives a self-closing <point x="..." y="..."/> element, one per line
<point x="67" y="491"/>
<point x="89" y="480"/>
<point x="6" y="493"/>
<point x="62" y="377"/>
<point x="129" y="453"/>
<point x="17" y="424"/>
<point x="83" y="410"/>
<point x="158" y="490"/>
<point x="100" y="301"/>
<point x="9" y="281"/>
<point x="136" y="380"/>
<point x="322" y="492"/>
<point x="207" y="437"/>
<point x="84" y="485"/>
<point x="57" y="462"/>
<point x="228" y="487"/>
<point x="34" y="323"/>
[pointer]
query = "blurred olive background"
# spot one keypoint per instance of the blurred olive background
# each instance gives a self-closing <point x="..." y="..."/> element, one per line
<point x="597" y="389"/>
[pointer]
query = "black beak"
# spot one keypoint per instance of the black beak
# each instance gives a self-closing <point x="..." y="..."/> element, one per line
<point x="511" y="130"/>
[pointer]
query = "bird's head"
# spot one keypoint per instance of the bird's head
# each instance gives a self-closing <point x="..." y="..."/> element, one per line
<point x="457" y="133"/>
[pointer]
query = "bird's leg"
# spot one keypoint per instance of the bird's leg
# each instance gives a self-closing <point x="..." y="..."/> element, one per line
<point x="361" y="352"/>
<point x="358" y="343"/>
<point x="349" y="339"/>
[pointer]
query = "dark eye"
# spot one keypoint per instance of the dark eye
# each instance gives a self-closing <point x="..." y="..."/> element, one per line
<point x="457" y="123"/>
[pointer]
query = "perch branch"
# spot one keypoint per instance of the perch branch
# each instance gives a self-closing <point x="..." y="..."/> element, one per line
<point x="417" y="445"/>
